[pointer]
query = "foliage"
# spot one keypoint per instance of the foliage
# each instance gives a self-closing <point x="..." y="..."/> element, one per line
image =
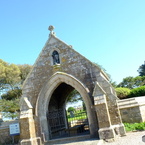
<point x="113" y="84"/>
<point x="134" y="126"/>
<point x="127" y="83"/>
<point x="136" y="92"/>
<point x="24" y="69"/>
<point x="9" y="105"/>
<point x="104" y="70"/>
<point x="10" y="115"/>
<point x="10" y="108"/>
<point x="122" y="93"/>
<point x="9" y="75"/>
<point x="74" y="96"/>
<point x="84" y="106"/>
<point x="71" y="109"/>
<point x="141" y="70"/>
<point x="2" y="75"/>
<point x="78" y="115"/>
<point x="11" y="78"/>
<point x="132" y="82"/>
<point x="139" y="81"/>
<point x="12" y="94"/>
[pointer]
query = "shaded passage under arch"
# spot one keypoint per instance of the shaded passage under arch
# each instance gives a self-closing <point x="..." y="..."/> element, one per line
<point x="62" y="123"/>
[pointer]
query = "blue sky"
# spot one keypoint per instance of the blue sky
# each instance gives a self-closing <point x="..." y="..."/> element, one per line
<point x="108" y="32"/>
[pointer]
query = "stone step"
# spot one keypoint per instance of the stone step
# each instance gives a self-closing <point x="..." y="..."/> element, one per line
<point x="77" y="140"/>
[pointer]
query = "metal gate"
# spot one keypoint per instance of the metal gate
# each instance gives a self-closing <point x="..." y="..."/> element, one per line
<point x="64" y="124"/>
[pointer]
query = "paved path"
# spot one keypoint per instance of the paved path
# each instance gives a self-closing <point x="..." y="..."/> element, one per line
<point x="132" y="138"/>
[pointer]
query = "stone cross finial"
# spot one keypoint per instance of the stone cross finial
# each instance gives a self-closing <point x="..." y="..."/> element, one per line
<point x="51" y="28"/>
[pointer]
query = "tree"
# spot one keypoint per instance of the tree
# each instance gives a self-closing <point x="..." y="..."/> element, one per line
<point x="11" y="79"/>
<point x="10" y="108"/>
<point x="74" y="96"/>
<point x="139" y="81"/>
<point x="2" y="75"/>
<point x="114" y="84"/>
<point x="9" y="75"/>
<point x="127" y="82"/>
<point x="71" y="109"/>
<point x="12" y="76"/>
<point x="24" y="71"/>
<point x="12" y="94"/>
<point x="141" y="70"/>
<point x="132" y="82"/>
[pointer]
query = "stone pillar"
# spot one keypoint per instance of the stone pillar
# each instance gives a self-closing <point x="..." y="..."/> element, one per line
<point x="105" y="129"/>
<point x="27" y="126"/>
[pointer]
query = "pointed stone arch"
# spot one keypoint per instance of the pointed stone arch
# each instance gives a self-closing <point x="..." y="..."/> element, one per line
<point x="45" y="96"/>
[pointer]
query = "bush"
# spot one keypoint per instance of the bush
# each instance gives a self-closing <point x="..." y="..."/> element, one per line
<point x="122" y="93"/>
<point x="140" y="91"/>
<point x="135" y="126"/>
<point x="71" y="109"/>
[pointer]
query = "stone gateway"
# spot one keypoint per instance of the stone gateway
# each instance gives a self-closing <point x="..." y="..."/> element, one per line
<point x="58" y="71"/>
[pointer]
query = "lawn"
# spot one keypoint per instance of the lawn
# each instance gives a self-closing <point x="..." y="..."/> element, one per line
<point x="77" y="116"/>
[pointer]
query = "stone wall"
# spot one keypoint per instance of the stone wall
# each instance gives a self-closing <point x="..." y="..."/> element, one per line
<point x="132" y="110"/>
<point x="5" y="137"/>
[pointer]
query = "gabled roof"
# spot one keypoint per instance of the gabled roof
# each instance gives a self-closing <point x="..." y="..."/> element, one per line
<point x="51" y="41"/>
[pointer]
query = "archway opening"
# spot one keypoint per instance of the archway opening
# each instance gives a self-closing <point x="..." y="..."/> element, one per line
<point x="66" y="119"/>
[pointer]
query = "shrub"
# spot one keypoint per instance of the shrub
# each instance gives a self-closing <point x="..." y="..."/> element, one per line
<point x="140" y="91"/>
<point x="122" y="93"/>
<point x="71" y="109"/>
<point x="135" y="126"/>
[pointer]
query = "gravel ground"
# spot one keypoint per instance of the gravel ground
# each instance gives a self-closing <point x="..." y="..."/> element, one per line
<point x="132" y="138"/>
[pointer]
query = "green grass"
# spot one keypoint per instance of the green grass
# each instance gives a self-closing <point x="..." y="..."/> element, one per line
<point x="134" y="126"/>
<point x="77" y="116"/>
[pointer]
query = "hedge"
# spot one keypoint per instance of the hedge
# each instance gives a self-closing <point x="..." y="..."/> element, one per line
<point x="122" y="93"/>
<point x="137" y="92"/>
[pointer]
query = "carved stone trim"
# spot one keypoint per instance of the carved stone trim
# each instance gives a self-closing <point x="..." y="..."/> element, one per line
<point x="98" y="90"/>
<point x="100" y="100"/>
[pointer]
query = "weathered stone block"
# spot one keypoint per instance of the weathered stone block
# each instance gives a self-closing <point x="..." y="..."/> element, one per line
<point x="119" y="129"/>
<point x="31" y="141"/>
<point x="106" y="133"/>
